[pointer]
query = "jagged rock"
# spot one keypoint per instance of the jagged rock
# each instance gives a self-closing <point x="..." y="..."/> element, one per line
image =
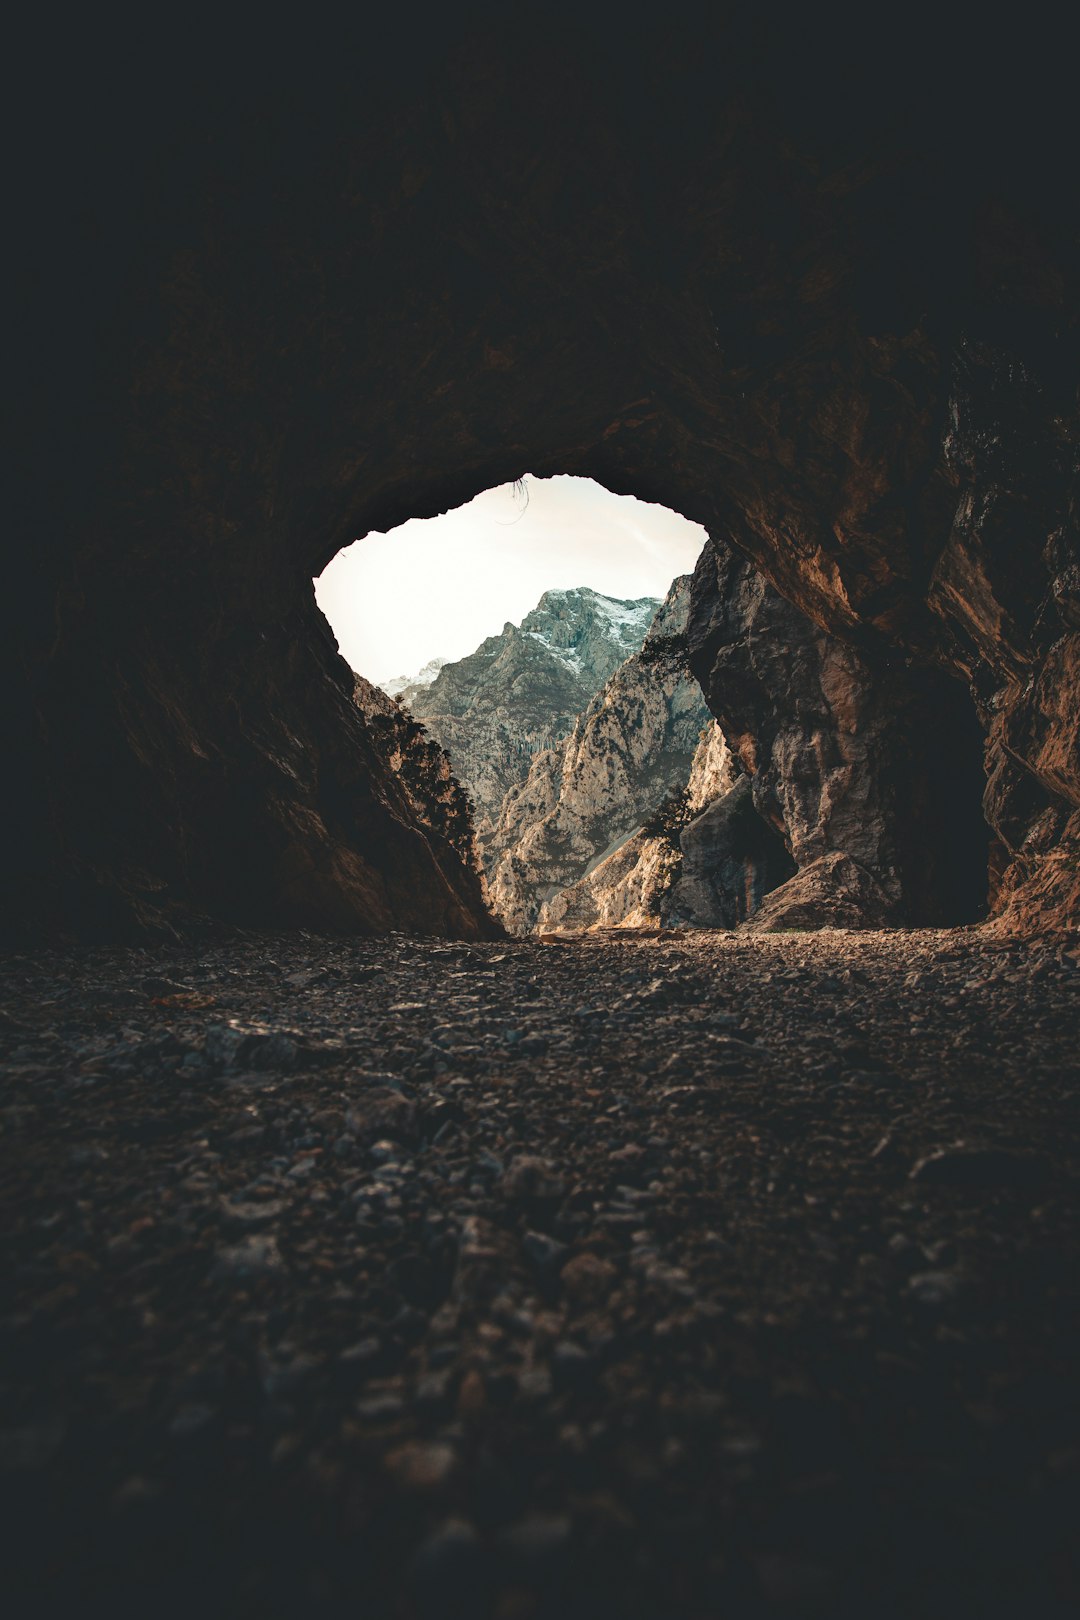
<point x="424" y="771"/>
<point x="832" y="892"/>
<point x="830" y="318"/>
<point x="405" y="687"/>
<point x="521" y="691"/>
<point x="877" y="763"/>
<point x="731" y="859"/>
<point x="710" y="870"/>
<point x="631" y="747"/>
<point x="626" y="890"/>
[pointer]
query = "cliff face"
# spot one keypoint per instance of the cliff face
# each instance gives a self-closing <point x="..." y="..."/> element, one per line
<point x="879" y="763"/>
<point x="703" y="859"/>
<point x="424" y="772"/>
<point x="632" y="745"/>
<point x="521" y="691"/>
<point x="825" y="308"/>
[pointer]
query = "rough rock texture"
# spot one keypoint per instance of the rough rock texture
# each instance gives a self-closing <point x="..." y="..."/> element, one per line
<point x="521" y="691"/>
<point x="816" y="292"/>
<point x="833" y="891"/>
<point x="720" y="1276"/>
<point x="627" y="889"/>
<point x="436" y="797"/>
<point x="731" y="859"/>
<point x="705" y="859"/>
<point x="632" y="745"/>
<point x="875" y="762"/>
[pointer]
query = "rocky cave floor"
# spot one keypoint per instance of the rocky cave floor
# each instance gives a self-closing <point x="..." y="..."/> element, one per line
<point x="642" y="1276"/>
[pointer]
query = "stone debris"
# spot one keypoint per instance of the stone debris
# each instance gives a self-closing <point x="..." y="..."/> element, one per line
<point x="420" y="1278"/>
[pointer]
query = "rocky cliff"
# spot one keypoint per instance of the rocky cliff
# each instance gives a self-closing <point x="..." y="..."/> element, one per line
<point x="878" y="762"/>
<point x="521" y="691"/>
<point x="425" y="774"/>
<point x="630" y="748"/>
<point x="703" y="859"/>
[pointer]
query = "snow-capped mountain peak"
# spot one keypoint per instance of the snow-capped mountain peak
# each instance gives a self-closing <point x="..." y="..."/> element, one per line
<point x="424" y="678"/>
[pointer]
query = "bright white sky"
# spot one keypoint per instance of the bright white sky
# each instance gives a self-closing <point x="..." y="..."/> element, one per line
<point x="435" y="587"/>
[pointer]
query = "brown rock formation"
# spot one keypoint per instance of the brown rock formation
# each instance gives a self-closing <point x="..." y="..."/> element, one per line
<point x="879" y="763"/>
<point x="731" y="860"/>
<point x="818" y="295"/>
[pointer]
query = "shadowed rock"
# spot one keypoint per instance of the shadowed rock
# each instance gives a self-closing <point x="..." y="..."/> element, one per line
<point x="819" y="299"/>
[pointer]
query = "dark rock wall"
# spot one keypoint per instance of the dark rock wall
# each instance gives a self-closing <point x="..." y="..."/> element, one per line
<point x="424" y="771"/>
<point x="815" y="289"/>
<point x="731" y="859"/>
<point x="874" y="760"/>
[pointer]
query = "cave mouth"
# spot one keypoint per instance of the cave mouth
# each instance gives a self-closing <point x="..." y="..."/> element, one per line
<point x="545" y="625"/>
<point x="523" y="746"/>
<point x="435" y="587"/>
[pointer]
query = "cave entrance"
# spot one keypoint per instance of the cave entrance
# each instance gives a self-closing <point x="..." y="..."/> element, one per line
<point x="545" y="628"/>
<point x="529" y="670"/>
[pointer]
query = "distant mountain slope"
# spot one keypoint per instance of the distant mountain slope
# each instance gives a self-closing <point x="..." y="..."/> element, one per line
<point x="521" y="691"/>
<point x="631" y="747"/>
<point x="633" y="886"/>
<point x="405" y="686"/>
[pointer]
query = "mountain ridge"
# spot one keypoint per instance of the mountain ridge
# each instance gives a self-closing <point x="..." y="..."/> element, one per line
<point x="522" y="690"/>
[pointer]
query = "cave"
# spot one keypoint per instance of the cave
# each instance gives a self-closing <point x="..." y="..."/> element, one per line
<point x="364" y="1256"/>
<point x="866" y="763"/>
<point x="855" y="380"/>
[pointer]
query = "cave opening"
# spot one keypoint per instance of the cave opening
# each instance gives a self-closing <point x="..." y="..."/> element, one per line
<point x="546" y="621"/>
<point x="655" y="737"/>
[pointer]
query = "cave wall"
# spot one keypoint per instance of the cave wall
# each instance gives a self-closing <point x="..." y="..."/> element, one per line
<point x="861" y="756"/>
<point x="279" y="291"/>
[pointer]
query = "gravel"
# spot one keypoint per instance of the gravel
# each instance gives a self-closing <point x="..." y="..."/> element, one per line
<point x="660" y="1277"/>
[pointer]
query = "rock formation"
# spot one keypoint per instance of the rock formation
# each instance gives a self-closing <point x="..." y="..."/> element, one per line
<point x="881" y="764"/>
<point x="821" y="300"/>
<point x="632" y="745"/>
<point x="423" y="769"/>
<point x="522" y="690"/>
<point x="703" y="858"/>
<point x="729" y="860"/>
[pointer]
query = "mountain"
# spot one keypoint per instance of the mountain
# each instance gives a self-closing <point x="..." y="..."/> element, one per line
<point x="522" y="691"/>
<point x="631" y="747"/>
<point x="631" y="812"/>
<point x="404" y="686"/>
<point x="705" y="859"/>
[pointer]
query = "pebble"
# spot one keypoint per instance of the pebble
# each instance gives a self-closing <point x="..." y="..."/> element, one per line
<point x="587" y="1278"/>
<point x="497" y="1313"/>
<point x="935" y="1289"/>
<point x="532" y="1180"/>
<point x="421" y="1466"/>
<point x="243" y="1262"/>
<point x="544" y="1251"/>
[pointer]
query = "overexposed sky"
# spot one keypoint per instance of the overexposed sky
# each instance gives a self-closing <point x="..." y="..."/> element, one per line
<point x="435" y="587"/>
